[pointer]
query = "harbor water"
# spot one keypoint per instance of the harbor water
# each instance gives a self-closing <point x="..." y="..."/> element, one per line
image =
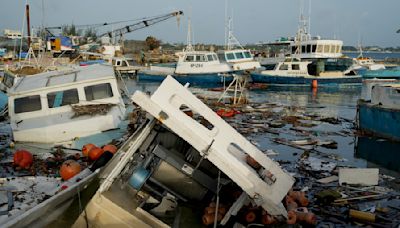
<point x="334" y="102"/>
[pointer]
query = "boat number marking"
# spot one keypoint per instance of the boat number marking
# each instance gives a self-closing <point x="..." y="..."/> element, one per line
<point x="196" y="65"/>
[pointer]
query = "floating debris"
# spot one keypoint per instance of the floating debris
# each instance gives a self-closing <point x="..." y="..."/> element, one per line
<point x="93" y="109"/>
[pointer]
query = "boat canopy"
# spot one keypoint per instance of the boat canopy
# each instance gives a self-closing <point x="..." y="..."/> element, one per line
<point x="200" y="57"/>
<point x="236" y="55"/>
<point x="317" y="46"/>
<point x="53" y="79"/>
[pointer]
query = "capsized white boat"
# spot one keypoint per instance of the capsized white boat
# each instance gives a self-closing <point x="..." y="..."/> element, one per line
<point x="60" y="106"/>
<point x="176" y="161"/>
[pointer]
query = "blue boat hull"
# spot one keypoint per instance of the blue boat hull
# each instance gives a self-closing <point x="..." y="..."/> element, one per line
<point x="382" y="122"/>
<point x="381" y="152"/>
<point x="207" y="80"/>
<point x="292" y="80"/>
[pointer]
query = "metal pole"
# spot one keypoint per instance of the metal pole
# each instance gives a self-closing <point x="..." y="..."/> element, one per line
<point x="28" y="25"/>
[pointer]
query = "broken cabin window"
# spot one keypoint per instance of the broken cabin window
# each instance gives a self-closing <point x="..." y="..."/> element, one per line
<point x="99" y="91"/>
<point x="27" y="104"/>
<point x="61" y="98"/>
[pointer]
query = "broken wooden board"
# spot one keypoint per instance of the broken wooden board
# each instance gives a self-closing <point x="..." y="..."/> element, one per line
<point x="359" y="176"/>
<point x="328" y="180"/>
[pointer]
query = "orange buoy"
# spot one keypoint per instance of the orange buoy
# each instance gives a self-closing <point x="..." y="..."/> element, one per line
<point x="314" y="83"/>
<point x="299" y="197"/>
<point x="23" y="159"/>
<point x="111" y="148"/>
<point x="268" y="219"/>
<point x="209" y="210"/>
<point x="95" y="153"/>
<point x="291" y="219"/>
<point x="69" y="169"/>
<point x="208" y="219"/>
<point x="303" y="215"/>
<point x="86" y="148"/>
<point x="250" y="216"/>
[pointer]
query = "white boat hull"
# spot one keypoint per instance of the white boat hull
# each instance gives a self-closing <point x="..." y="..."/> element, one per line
<point x="60" y="128"/>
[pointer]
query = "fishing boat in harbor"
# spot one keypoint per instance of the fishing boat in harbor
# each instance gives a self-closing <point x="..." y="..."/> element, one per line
<point x="194" y="67"/>
<point x="301" y="72"/>
<point x="388" y="73"/>
<point x="177" y="163"/>
<point x="381" y="115"/>
<point x="238" y="58"/>
<point x="64" y="105"/>
<point x="323" y="58"/>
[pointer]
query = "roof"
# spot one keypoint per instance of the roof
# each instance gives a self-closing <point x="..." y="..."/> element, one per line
<point x="58" y="78"/>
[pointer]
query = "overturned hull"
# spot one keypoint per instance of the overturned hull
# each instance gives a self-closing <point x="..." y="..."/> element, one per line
<point x="222" y="145"/>
<point x="175" y="161"/>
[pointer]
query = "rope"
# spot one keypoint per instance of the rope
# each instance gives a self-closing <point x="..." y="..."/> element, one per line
<point x="217" y="202"/>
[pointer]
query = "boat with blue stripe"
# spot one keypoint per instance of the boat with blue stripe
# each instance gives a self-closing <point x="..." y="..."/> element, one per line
<point x="296" y="72"/>
<point x="388" y="73"/>
<point x="203" y="80"/>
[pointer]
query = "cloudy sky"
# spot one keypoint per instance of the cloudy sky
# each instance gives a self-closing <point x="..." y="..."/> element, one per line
<point x="374" y="22"/>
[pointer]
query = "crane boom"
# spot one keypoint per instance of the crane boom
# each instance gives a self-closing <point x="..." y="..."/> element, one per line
<point x="141" y="24"/>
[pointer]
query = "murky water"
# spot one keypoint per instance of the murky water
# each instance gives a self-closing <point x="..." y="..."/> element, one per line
<point x="337" y="102"/>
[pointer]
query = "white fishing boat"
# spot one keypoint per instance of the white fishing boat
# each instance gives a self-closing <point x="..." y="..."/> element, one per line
<point x="294" y="71"/>
<point x="238" y="58"/>
<point x="178" y="161"/>
<point x="64" y="105"/>
<point x="326" y="53"/>
<point x="194" y="67"/>
<point x="365" y="63"/>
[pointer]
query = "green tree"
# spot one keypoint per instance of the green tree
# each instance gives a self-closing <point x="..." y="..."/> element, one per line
<point x="70" y="30"/>
<point x="152" y="43"/>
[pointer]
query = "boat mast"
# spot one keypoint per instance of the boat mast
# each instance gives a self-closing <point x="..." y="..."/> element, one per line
<point x="189" y="46"/>
<point x="226" y="22"/>
<point x="232" y="42"/>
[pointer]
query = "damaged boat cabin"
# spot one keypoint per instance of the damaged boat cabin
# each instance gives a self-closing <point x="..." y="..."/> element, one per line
<point x="179" y="160"/>
<point x="47" y="107"/>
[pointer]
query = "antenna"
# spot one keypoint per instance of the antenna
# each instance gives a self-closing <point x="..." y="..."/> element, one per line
<point x="309" y="17"/>
<point x="226" y="24"/>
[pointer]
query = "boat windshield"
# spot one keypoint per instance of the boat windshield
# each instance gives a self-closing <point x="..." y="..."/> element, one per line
<point x="239" y="55"/>
<point x="212" y="57"/>
<point x="247" y="54"/>
<point x="197" y="58"/>
<point x="27" y="104"/>
<point x="230" y="56"/>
